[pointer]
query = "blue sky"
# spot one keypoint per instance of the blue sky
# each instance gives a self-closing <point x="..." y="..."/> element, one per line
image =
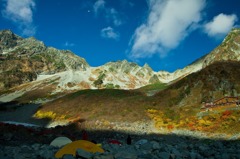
<point x="166" y="34"/>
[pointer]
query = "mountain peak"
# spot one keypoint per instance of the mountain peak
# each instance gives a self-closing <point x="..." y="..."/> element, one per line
<point x="228" y="50"/>
<point x="8" y="40"/>
<point x="7" y="31"/>
<point x="231" y="35"/>
<point x="146" y="66"/>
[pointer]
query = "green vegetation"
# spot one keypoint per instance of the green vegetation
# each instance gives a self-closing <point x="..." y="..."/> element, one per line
<point x="111" y="69"/>
<point x="60" y="65"/>
<point x="156" y="86"/>
<point x="37" y="57"/>
<point x="111" y="93"/>
<point x="99" y="81"/>
<point x="111" y="86"/>
<point x="108" y="104"/>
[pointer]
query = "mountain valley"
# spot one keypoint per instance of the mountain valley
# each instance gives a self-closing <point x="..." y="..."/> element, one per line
<point x="68" y="89"/>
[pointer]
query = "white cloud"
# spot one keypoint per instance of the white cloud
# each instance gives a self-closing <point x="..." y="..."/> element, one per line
<point x="67" y="44"/>
<point x="220" y="25"/>
<point x="21" y="13"/>
<point x="110" y="13"/>
<point x="98" y="5"/>
<point x="113" y="16"/>
<point x="109" y="33"/>
<point x="168" y="23"/>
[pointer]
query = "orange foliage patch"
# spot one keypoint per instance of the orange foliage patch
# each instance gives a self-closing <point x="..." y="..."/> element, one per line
<point x="170" y="127"/>
<point x="226" y="113"/>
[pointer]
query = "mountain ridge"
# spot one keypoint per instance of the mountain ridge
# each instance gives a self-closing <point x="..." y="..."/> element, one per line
<point x="35" y="61"/>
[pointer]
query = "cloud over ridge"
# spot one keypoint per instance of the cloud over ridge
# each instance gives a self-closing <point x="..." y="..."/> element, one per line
<point x="168" y="23"/>
<point x="21" y="13"/>
<point x="220" y="25"/>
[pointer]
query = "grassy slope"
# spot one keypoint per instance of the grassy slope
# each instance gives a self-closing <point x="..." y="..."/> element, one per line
<point x="179" y="101"/>
<point x="108" y="104"/>
<point x="153" y="87"/>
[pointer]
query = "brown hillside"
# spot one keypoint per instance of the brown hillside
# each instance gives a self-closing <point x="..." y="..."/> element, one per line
<point x="106" y="104"/>
<point x="213" y="82"/>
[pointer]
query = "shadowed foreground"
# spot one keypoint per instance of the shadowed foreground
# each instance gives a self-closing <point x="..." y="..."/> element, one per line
<point x="21" y="142"/>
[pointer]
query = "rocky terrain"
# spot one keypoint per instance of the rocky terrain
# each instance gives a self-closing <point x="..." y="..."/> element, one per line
<point x="34" y="143"/>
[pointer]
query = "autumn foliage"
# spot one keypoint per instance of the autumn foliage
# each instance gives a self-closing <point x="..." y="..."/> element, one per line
<point x="217" y="121"/>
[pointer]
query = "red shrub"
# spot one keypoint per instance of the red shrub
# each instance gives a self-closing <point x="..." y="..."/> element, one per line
<point x="226" y="113"/>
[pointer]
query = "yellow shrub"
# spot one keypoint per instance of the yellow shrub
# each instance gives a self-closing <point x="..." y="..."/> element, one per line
<point x="233" y="118"/>
<point x="204" y="122"/>
<point x="40" y="115"/>
<point x="201" y="121"/>
<point x="182" y="122"/>
<point x="153" y="111"/>
<point x="62" y="117"/>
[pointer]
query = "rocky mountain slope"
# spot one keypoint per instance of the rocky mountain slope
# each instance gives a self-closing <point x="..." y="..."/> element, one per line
<point x="26" y="60"/>
<point x="30" y="61"/>
<point x="30" y="68"/>
<point x="23" y="60"/>
<point x="228" y="50"/>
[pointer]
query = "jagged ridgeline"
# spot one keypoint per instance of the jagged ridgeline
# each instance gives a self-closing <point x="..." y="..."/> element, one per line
<point x="22" y="60"/>
<point x="25" y="60"/>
